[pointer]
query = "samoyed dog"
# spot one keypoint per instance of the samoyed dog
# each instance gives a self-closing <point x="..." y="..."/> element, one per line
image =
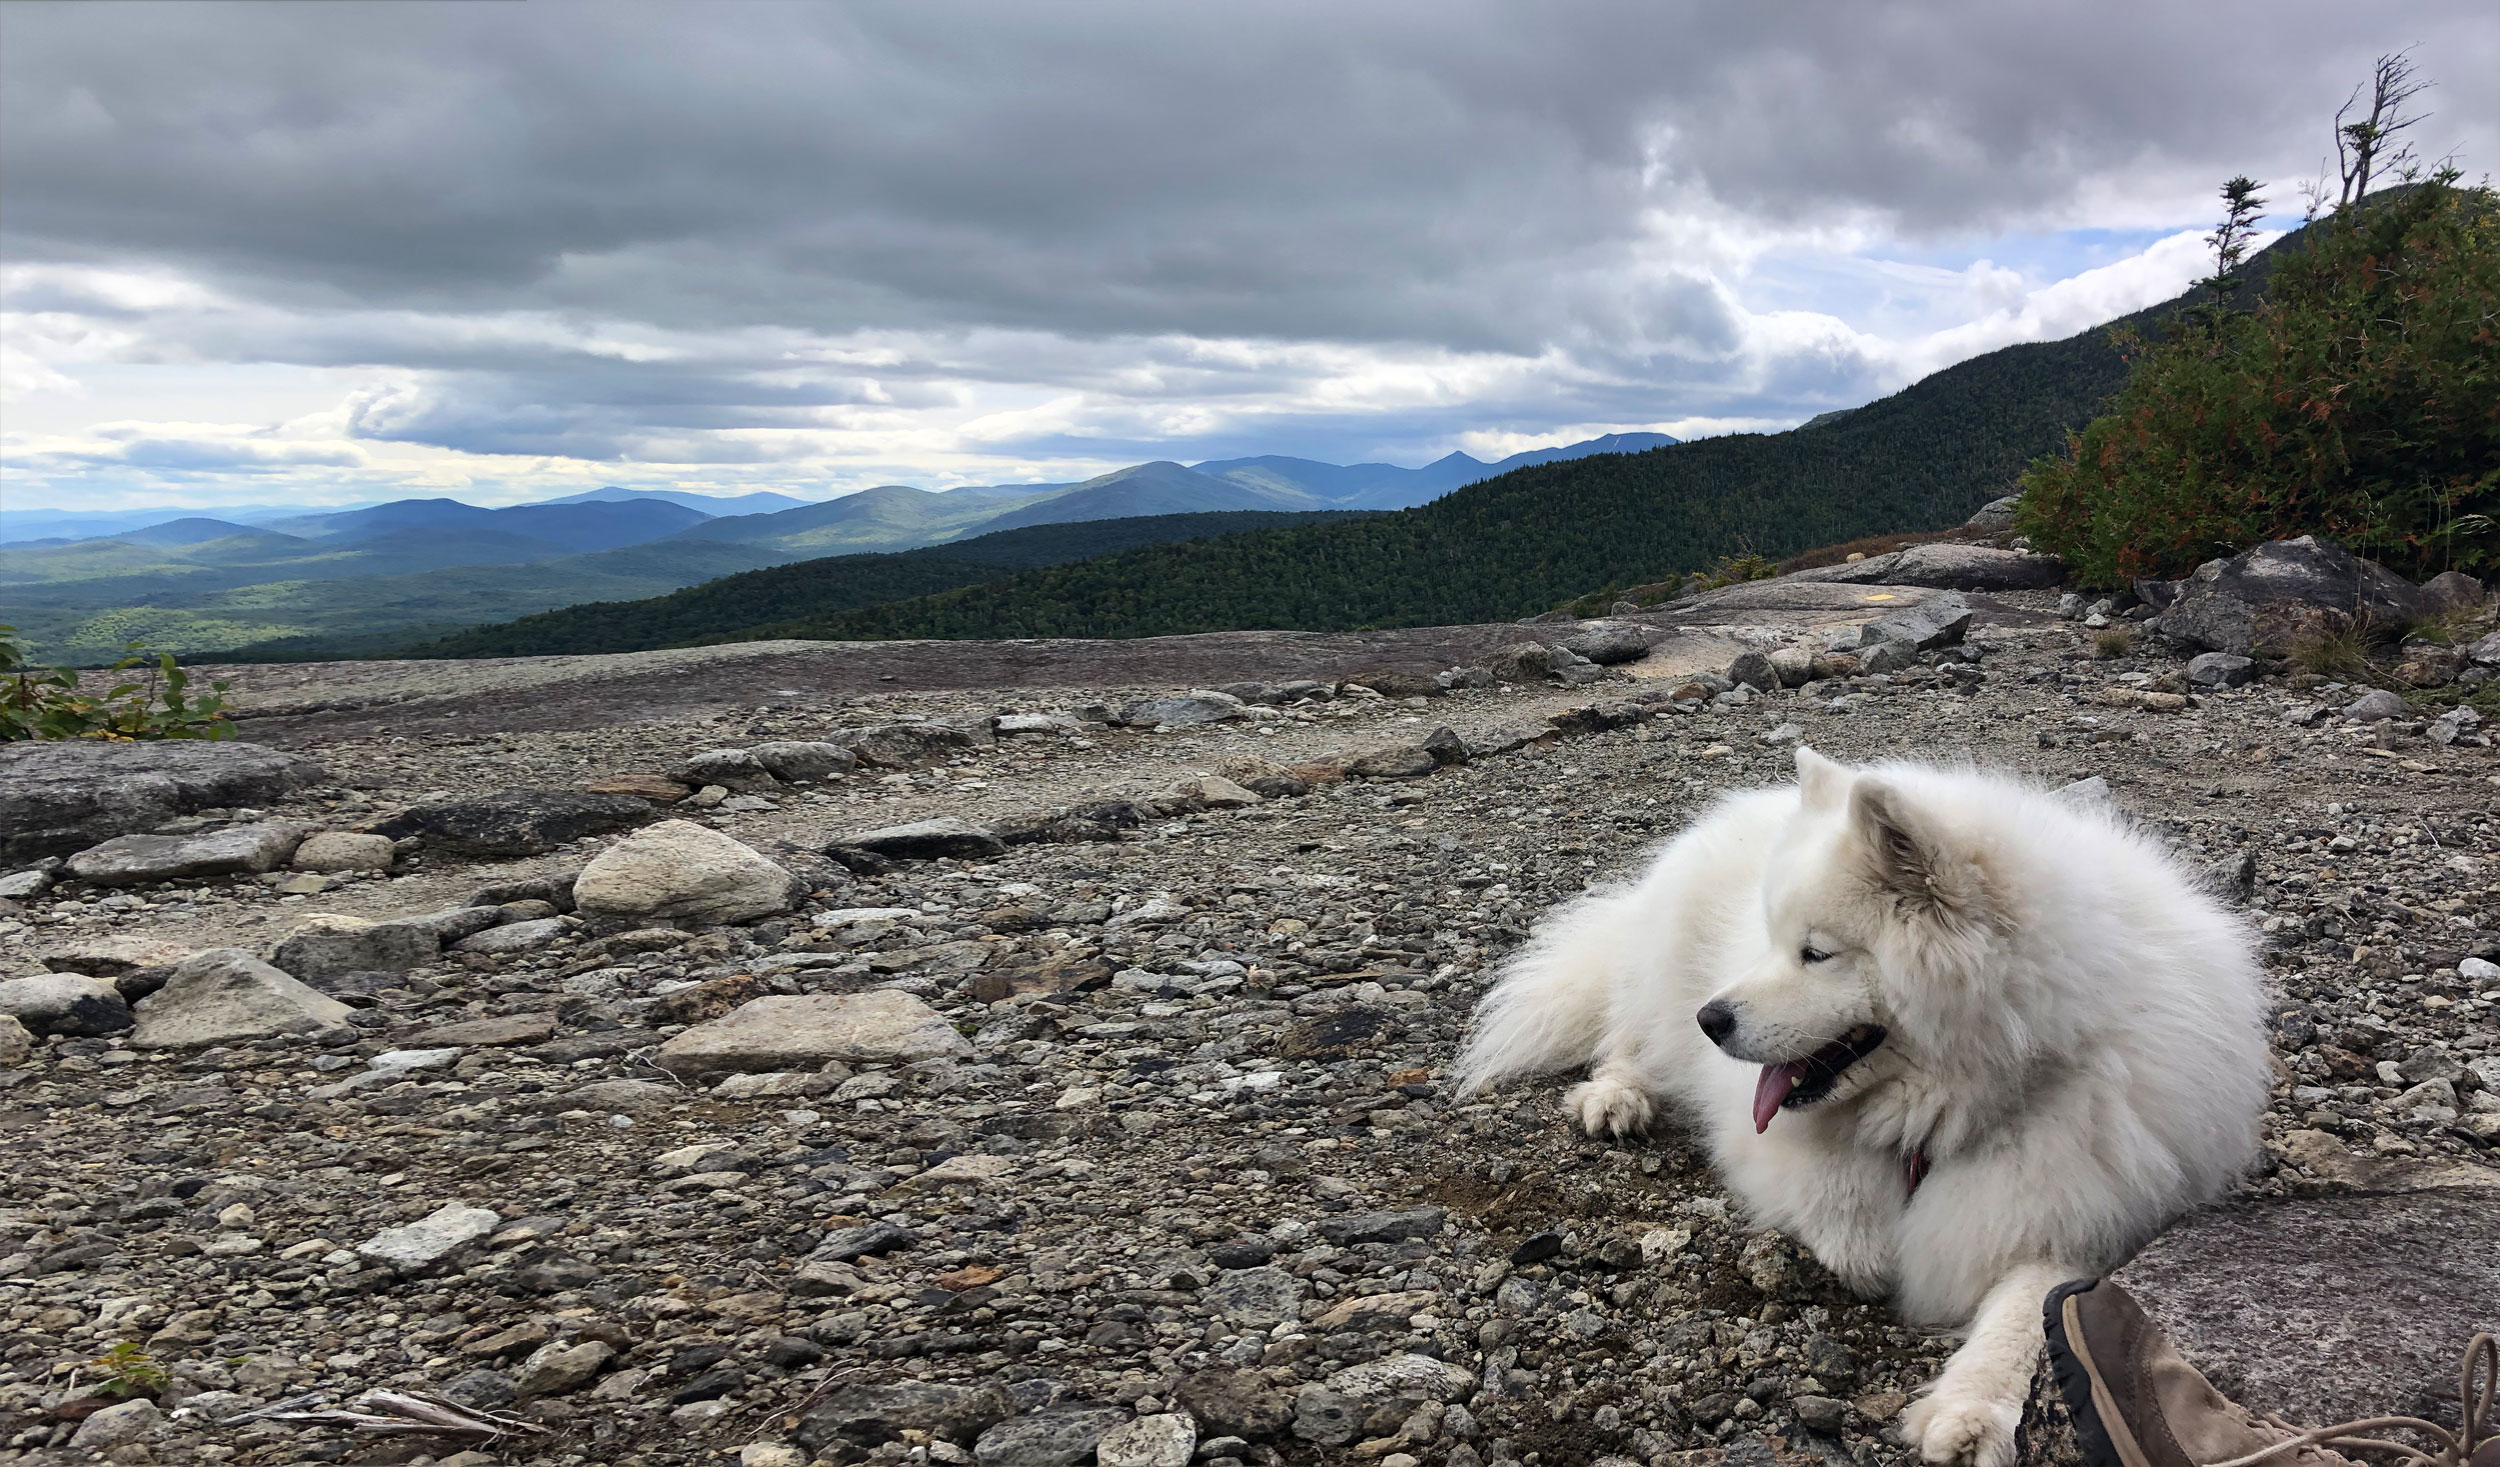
<point x="1964" y="1038"/>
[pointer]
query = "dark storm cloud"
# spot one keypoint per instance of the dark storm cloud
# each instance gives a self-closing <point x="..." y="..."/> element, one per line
<point x="1451" y="173"/>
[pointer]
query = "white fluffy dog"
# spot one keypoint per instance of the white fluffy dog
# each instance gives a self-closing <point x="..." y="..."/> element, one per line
<point x="1963" y="1038"/>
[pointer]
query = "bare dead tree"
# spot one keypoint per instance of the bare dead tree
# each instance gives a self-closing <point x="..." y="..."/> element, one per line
<point x="2367" y="147"/>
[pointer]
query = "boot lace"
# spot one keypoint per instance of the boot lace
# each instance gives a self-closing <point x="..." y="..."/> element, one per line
<point x="2477" y="1380"/>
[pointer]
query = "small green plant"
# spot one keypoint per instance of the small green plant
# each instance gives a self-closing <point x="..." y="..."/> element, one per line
<point x="2338" y="649"/>
<point x="1735" y="569"/>
<point x="128" y="1372"/>
<point x="2113" y="642"/>
<point x="47" y="702"/>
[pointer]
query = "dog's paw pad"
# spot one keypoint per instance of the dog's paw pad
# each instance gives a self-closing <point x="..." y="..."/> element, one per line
<point x="1608" y="1107"/>
<point x="1960" y="1431"/>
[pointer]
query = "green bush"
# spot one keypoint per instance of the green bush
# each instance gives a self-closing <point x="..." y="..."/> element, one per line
<point x="47" y="703"/>
<point x="2359" y="401"/>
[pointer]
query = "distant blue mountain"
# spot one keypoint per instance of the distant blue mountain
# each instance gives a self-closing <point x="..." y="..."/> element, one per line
<point x="763" y="501"/>
<point x="1386" y="486"/>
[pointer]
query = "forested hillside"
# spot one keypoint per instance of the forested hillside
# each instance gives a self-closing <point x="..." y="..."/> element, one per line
<point x="733" y="607"/>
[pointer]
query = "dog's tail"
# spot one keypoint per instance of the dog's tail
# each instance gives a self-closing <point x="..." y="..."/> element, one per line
<point x="1549" y="1009"/>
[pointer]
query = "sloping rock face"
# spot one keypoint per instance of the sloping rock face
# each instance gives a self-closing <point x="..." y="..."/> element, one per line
<point x="64" y="796"/>
<point x="2278" y="1301"/>
<point x="2262" y="598"/>
<point x="134" y="860"/>
<point x="227" y="996"/>
<point x="1946" y="567"/>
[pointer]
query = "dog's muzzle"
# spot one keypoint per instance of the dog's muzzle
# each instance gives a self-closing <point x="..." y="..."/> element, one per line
<point x="1801" y="1082"/>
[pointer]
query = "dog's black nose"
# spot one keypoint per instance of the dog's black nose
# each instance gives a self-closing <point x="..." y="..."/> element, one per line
<point x="1717" y="1020"/>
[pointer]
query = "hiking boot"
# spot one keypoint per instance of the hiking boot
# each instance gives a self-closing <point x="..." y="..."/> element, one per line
<point x="2135" y="1403"/>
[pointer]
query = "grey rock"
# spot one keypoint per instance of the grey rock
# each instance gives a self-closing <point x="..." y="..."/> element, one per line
<point x="64" y="795"/>
<point x="453" y="923"/>
<point x="430" y="1239"/>
<point x="1754" y="670"/>
<point x="16" y="1040"/>
<point x="1232" y="1402"/>
<point x="65" y="1003"/>
<point x="798" y="761"/>
<point x="1937" y="622"/>
<point x="904" y="745"/>
<point x="2093" y="790"/>
<point x="132" y="860"/>
<point x="1253" y="1298"/>
<point x="1191" y="710"/>
<point x="2486" y="652"/>
<point x="1526" y="662"/>
<point x="17" y="886"/>
<point x="2455" y="590"/>
<point x="1166" y="1439"/>
<point x="122" y="1425"/>
<point x="2219" y="670"/>
<point x="1060" y="1437"/>
<point x="517" y="937"/>
<point x="228" y="996"/>
<point x="1994" y="517"/>
<point x="868" y="1415"/>
<point x="1446" y="748"/>
<point x="339" y="850"/>
<point x="1326" y="1418"/>
<point x="722" y="766"/>
<point x="2375" y="705"/>
<point x="1887" y="657"/>
<point x="1945" y="567"/>
<point x="2263" y="597"/>
<point x="804" y="1032"/>
<point x="2327" y="1308"/>
<point x="1793" y="665"/>
<point x="1407" y="1376"/>
<point x="1393" y="761"/>
<point x="929" y="840"/>
<point x="1820" y="1413"/>
<point x="678" y="871"/>
<point x="334" y="947"/>
<point x="557" y="1368"/>
<point x="1608" y="642"/>
<point x="867" y="1240"/>
<point x="515" y="822"/>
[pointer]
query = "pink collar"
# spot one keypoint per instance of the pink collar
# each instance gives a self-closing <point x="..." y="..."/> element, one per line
<point x="1914" y="1168"/>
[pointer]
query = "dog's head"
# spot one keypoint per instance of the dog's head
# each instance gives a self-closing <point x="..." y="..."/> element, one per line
<point x="1867" y="885"/>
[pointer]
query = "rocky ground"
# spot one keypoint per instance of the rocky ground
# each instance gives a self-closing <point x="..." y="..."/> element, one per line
<point x="1128" y="1141"/>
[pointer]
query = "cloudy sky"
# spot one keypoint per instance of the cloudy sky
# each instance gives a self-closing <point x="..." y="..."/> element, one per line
<point x="502" y="250"/>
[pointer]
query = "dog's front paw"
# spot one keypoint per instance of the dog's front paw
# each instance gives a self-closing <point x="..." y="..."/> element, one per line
<point x="1609" y="1107"/>
<point x="1957" y="1430"/>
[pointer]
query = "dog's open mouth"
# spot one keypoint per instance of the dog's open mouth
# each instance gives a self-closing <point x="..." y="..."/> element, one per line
<point x="1805" y="1081"/>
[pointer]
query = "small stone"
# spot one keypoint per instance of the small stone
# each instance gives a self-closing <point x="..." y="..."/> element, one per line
<point x="1820" y="1413"/>
<point x="1754" y="670"/>
<point x="1326" y="1418"/>
<point x="929" y="840"/>
<point x="799" y="762"/>
<point x="501" y="1030"/>
<point x="1163" y="1440"/>
<point x="16" y="1040"/>
<point x="1394" y="761"/>
<point x="2219" y="670"/>
<point x="430" y="1239"/>
<point x="117" y="1426"/>
<point x="2375" y="705"/>
<point x="1383" y="1227"/>
<point x="339" y="850"/>
<point x="780" y="1032"/>
<point x="557" y="1369"/>
<point x="514" y="937"/>
<point x="514" y="822"/>
<point x="333" y="947"/>
<point x="1190" y="711"/>
<point x="1235" y="1403"/>
<point x="1060" y="1437"/>
<point x="867" y="1415"/>
<point x="1253" y="1298"/>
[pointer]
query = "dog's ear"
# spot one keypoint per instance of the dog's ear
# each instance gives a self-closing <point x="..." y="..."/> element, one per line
<point x="1903" y="854"/>
<point x="1819" y="780"/>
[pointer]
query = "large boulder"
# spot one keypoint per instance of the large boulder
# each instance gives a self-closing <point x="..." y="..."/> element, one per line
<point x="2267" y="596"/>
<point x="882" y="1026"/>
<point x="227" y="996"/>
<point x="798" y="761"/>
<point x="514" y="822"/>
<point x="903" y="745"/>
<point x="678" y="871"/>
<point x="1939" y="621"/>
<point x="869" y="1414"/>
<point x="2330" y="1308"/>
<point x="1608" y="642"/>
<point x="65" y="795"/>
<point x="237" y="850"/>
<point x="65" y="1003"/>
<point x="1995" y="517"/>
<point x="1946" y="567"/>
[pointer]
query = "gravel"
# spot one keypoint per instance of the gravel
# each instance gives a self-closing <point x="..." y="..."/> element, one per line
<point x="1132" y="1138"/>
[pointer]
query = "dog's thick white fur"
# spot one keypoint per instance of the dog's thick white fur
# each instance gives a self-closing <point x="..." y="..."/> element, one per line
<point x="2070" y="1043"/>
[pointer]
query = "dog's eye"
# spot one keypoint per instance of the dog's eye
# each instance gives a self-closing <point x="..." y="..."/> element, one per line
<point x="1812" y="955"/>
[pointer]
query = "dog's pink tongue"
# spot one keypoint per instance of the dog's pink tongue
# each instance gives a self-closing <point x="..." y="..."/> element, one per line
<point x="1771" y="1089"/>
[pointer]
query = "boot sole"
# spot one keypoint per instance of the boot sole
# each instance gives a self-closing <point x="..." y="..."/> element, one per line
<point x="2100" y="1431"/>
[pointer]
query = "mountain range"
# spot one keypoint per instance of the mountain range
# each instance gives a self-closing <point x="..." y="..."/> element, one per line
<point x="370" y="577"/>
<point x="1573" y="529"/>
